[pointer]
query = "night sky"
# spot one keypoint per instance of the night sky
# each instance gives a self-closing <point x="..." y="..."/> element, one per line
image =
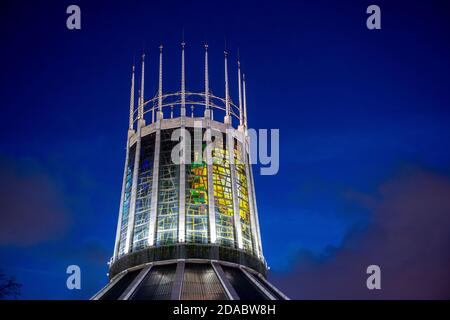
<point x="364" y="135"/>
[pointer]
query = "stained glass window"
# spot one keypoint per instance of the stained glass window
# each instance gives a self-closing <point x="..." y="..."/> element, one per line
<point x="168" y="192"/>
<point x="196" y="194"/>
<point x="144" y="192"/>
<point x="242" y="194"/>
<point x="223" y="196"/>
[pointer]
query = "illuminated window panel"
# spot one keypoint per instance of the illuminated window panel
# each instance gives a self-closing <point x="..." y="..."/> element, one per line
<point x="223" y="197"/>
<point x="196" y="196"/>
<point x="168" y="193"/>
<point x="126" y="201"/>
<point x="144" y="193"/>
<point x="242" y="194"/>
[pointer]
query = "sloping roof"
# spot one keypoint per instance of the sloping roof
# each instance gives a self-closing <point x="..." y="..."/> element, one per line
<point x="190" y="280"/>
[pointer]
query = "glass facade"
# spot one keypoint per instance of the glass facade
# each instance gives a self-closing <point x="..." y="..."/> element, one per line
<point x="126" y="200"/>
<point x="144" y="192"/>
<point x="168" y="192"/>
<point x="242" y="194"/>
<point x="196" y="194"/>
<point x="223" y="195"/>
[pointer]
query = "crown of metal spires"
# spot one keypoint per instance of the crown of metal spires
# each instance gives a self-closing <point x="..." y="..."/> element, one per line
<point x="206" y="100"/>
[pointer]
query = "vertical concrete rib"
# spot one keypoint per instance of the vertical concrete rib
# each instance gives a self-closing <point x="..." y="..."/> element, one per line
<point x="122" y="195"/>
<point x="254" y="228"/>
<point x="271" y="286"/>
<point x="154" y="204"/>
<point x="211" y="204"/>
<point x="132" y="210"/>
<point x="182" y="210"/>
<point x="236" y="216"/>
<point x="135" y="283"/>
<point x="257" y="284"/>
<point x="182" y="214"/>
<point x="106" y="288"/>
<point x="255" y="207"/>
<point x="231" y="293"/>
<point x="178" y="281"/>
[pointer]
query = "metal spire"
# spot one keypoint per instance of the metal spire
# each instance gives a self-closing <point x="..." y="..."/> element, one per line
<point x="183" y="81"/>
<point x="131" y="101"/>
<point x="206" y="78"/>
<point x="141" y="96"/>
<point x="241" y="122"/>
<point x="245" y="101"/>
<point x="160" y="80"/>
<point x="227" y="95"/>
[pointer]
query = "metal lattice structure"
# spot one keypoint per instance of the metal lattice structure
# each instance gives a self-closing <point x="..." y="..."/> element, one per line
<point x="188" y="229"/>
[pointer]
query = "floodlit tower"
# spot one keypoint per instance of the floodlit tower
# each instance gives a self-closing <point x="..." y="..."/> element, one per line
<point x="188" y="224"/>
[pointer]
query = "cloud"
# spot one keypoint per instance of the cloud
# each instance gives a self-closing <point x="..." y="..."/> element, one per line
<point x="408" y="237"/>
<point x="31" y="209"/>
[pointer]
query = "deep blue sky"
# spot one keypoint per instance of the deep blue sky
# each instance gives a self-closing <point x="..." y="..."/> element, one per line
<point x="358" y="112"/>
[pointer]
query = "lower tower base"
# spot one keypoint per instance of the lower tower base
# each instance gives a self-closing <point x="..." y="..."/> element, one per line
<point x="188" y="272"/>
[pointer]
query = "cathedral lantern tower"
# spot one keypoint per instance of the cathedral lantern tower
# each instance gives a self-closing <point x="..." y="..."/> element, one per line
<point x="188" y="223"/>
